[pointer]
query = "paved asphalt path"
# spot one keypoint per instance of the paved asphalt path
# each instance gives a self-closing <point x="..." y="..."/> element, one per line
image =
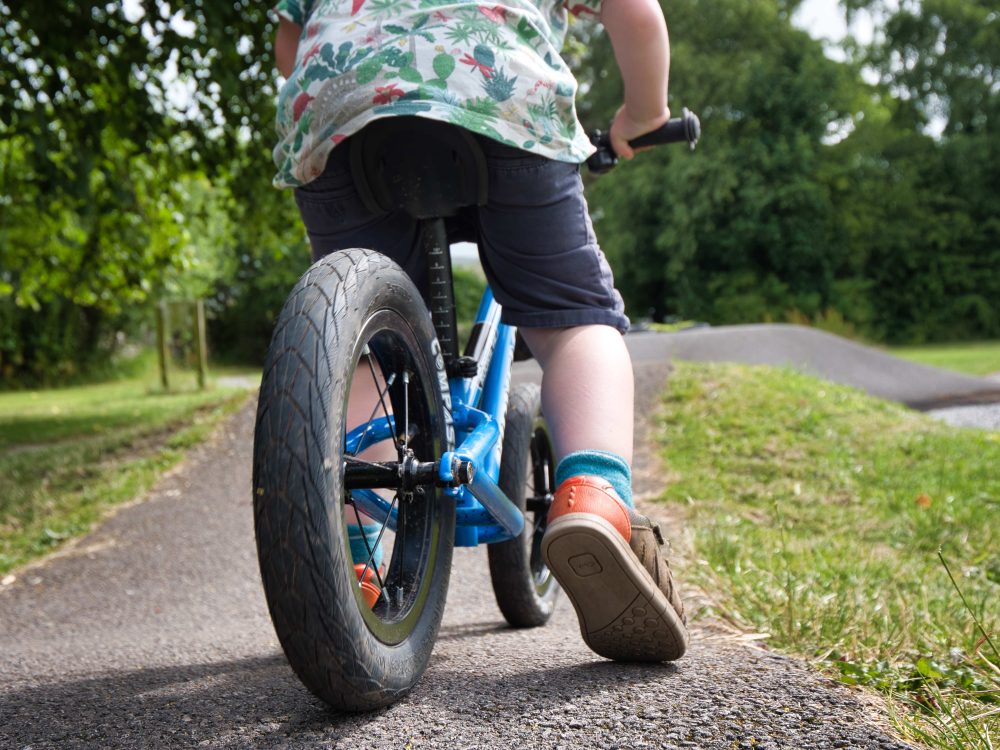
<point x="152" y="632"/>
<point x="825" y="355"/>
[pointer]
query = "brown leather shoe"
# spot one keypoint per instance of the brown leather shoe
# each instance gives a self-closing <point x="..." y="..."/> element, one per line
<point x="610" y="562"/>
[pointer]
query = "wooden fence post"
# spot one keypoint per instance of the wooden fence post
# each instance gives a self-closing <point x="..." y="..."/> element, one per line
<point x="162" y="342"/>
<point x="200" y="342"/>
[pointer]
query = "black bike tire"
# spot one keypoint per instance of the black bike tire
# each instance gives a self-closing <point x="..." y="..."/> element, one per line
<point x="524" y="600"/>
<point x="305" y="562"/>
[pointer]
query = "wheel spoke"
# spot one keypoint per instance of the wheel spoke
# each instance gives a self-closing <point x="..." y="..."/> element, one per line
<point x="398" y="410"/>
<point x="369" y="549"/>
<point x="406" y="409"/>
<point x="381" y="398"/>
<point x="401" y="437"/>
<point x="378" y="540"/>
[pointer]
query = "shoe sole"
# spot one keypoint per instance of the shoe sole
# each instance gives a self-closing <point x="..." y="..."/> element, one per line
<point x="623" y="614"/>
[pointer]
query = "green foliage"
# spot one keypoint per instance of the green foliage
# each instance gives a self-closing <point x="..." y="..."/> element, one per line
<point x="918" y="230"/>
<point x="209" y="237"/>
<point x="469" y="287"/>
<point x="270" y="252"/>
<point x="829" y="320"/>
<point x="819" y="513"/>
<point x="928" y="234"/>
<point x="113" y="191"/>
<point x="814" y="196"/>
<point x="743" y="230"/>
<point x="81" y="74"/>
<point x="58" y="341"/>
<point x="814" y="193"/>
<point x="940" y="59"/>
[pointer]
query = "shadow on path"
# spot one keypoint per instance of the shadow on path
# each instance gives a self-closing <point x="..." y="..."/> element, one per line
<point x="259" y="702"/>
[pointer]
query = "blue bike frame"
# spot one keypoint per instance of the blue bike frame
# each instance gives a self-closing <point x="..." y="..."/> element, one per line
<point x="484" y="514"/>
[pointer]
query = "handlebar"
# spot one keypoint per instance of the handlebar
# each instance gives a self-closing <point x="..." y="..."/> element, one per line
<point x="683" y="129"/>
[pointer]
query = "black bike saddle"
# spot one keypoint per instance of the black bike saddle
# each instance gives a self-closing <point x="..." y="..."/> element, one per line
<point x="426" y="168"/>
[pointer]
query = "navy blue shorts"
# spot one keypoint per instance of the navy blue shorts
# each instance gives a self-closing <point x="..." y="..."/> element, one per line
<point x="536" y="241"/>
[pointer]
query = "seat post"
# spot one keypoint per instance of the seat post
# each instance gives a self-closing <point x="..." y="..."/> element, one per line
<point x="440" y="293"/>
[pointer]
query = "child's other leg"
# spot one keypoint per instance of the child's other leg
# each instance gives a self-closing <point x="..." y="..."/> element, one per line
<point x="587" y="388"/>
<point x="587" y="395"/>
<point x="606" y="556"/>
<point x="367" y="400"/>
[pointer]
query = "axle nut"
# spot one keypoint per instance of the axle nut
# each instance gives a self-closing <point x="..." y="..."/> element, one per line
<point x="463" y="471"/>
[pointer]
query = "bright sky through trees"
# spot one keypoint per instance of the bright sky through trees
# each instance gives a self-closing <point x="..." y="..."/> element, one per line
<point x="824" y="19"/>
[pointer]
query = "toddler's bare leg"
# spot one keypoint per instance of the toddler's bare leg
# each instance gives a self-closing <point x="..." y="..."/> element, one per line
<point x="606" y="557"/>
<point x="362" y="405"/>
<point x="587" y="387"/>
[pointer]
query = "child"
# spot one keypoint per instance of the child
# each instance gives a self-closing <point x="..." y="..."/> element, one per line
<point x="496" y="71"/>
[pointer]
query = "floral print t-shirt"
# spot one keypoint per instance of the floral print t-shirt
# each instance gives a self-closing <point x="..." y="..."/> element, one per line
<point x="492" y="69"/>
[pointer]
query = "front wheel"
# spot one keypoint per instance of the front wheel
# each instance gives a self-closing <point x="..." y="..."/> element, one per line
<point x="354" y="394"/>
<point x="524" y="587"/>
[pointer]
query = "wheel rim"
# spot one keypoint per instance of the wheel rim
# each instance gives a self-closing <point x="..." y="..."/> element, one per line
<point x="405" y="401"/>
<point x="540" y="490"/>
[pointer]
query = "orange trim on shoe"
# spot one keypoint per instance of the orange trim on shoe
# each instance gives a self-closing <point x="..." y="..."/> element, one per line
<point x="370" y="592"/>
<point x="588" y="494"/>
<point x="369" y="586"/>
<point x="360" y="568"/>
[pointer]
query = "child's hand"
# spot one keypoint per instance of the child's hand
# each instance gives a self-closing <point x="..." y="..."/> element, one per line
<point x="626" y="128"/>
<point x="639" y="36"/>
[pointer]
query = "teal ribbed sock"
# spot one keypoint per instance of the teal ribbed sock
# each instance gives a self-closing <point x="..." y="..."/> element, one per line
<point x="609" y="466"/>
<point x="362" y="539"/>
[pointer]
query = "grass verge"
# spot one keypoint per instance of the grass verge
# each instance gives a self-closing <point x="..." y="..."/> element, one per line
<point x="68" y="455"/>
<point x="817" y="515"/>
<point x="974" y="358"/>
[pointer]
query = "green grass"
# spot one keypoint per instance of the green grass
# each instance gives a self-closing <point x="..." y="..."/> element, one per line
<point x="975" y="358"/>
<point x="68" y="455"/>
<point x="816" y="515"/>
<point x="671" y="327"/>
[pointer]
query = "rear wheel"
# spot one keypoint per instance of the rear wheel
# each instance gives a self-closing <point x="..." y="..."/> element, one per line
<point x="523" y="585"/>
<point x="354" y="338"/>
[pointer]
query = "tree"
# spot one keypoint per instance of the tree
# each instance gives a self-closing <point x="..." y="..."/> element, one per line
<point x="743" y="231"/>
<point x="940" y="56"/>
<point x="101" y="161"/>
<point x="816" y="194"/>
<point x="938" y="65"/>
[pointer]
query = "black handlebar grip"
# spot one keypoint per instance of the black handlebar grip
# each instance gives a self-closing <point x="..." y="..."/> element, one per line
<point x="684" y="129"/>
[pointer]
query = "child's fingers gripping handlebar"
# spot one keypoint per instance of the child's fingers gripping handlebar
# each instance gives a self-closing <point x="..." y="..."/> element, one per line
<point x="683" y="129"/>
<point x="686" y="129"/>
